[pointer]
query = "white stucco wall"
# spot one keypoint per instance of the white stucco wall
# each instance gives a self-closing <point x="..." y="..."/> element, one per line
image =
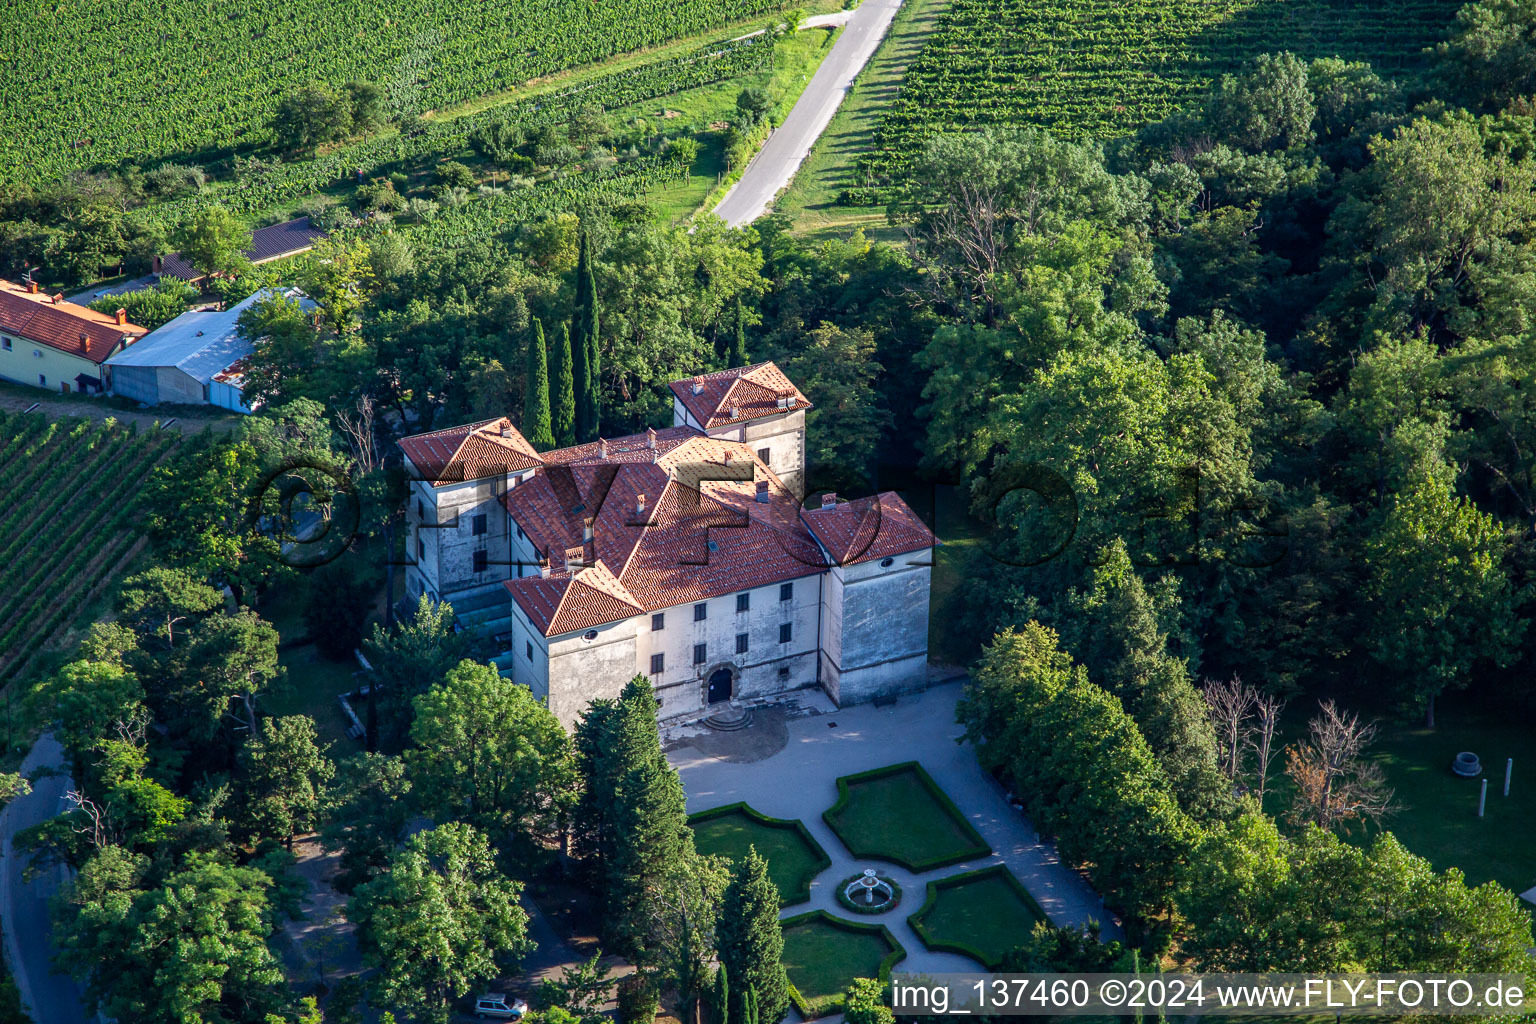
<point x="442" y="519"/>
<point x="875" y="627"/>
<point x="25" y="362"/>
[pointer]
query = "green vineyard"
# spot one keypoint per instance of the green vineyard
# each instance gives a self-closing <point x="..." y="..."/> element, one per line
<point x="1103" y="68"/>
<point x="95" y="82"/>
<point x="448" y="137"/>
<point x="68" y="524"/>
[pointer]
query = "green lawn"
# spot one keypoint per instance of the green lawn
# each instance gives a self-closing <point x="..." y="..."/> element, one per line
<point x="899" y="814"/>
<point x="794" y="858"/>
<point x="823" y="954"/>
<point x="309" y="687"/>
<point x="1437" y="811"/>
<point x="982" y="915"/>
<point x="795" y="61"/>
<point x="811" y="199"/>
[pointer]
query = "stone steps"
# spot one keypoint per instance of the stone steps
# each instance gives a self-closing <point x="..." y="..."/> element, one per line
<point x="730" y="719"/>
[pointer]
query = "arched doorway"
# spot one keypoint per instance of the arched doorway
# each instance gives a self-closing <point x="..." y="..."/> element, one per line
<point x="720" y="686"/>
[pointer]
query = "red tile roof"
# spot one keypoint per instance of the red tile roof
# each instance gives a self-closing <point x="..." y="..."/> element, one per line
<point x="869" y="528"/>
<point x="568" y="601"/>
<point x="78" y="330"/>
<point x="700" y="532"/>
<point x="737" y="395"/>
<point x="472" y="451"/>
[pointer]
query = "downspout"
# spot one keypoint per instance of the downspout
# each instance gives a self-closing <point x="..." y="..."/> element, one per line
<point x="820" y="582"/>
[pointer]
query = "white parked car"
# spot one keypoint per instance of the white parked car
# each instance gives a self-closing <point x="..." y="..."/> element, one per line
<point x="499" y="1006"/>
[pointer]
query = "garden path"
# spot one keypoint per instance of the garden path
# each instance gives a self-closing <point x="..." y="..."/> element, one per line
<point x="800" y="781"/>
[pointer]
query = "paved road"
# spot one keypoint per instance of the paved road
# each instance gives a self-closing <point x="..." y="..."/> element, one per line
<point x="51" y="998"/>
<point x="790" y="143"/>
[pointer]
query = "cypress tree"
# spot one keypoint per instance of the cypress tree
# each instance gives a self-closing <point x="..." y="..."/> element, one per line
<point x="581" y="381"/>
<point x="562" y="391"/>
<point x="589" y="332"/>
<point x="536" y="397"/>
<point x="738" y="353"/>
<point x="632" y="817"/>
<point x="722" y="997"/>
<point x="749" y="940"/>
<point x="584" y="343"/>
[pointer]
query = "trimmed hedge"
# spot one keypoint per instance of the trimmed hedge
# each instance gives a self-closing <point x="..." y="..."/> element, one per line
<point x="802" y="892"/>
<point x="936" y="889"/>
<point x="845" y="795"/>
<point x="810" y="1009"/>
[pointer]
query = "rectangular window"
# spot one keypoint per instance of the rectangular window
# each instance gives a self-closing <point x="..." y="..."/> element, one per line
<point x="786" y="591"/>
<point x="658" y="664"/>
<point x="5" y="343"/>
<point x="528" y="649"/>
<point x="658" y="622"/>
<point x="477" y="525"/>
<point x="786" y="632"/>
<point x="700" y="654"/>
<point x="743" y="602"/>
<point x="763" y="455"/>
<point x="700" y="612"/>
<point x="481" y="561"/>
<point x="42" y="381"/>
<point x="741" y="643"/>
<point x="421" y="548"/>
<point x="421" y="512"/>
<point x="520" y="534"/>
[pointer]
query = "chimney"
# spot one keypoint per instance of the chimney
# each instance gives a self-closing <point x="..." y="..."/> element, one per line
<point x="650" y="437"/>
<point x="735" y="412"/>
<point x="728" y="454"/>
<point x="32" y="287"/>
<point x="762" y="491"/>
<point x="828" y="500"/>
<point x="783" y="402"/>
<point x="790" y="402"/>
<point x="574" y="559"/>
<point x="586" y="530"/>
<point x="602" y="447"/>
<point x="547" y="564"/>
<point x="85" y="342"/>
<point x="58" y="297"/>
<point x="544" y="568"/>
<point x="639" y="505"/>
<point x="506" y="430"/>
<point x="698" y="385"/>
<point x="121" y="316"/>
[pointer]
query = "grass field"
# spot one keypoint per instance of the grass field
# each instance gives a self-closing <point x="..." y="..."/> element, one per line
<point x="899" y="814"/>
<point x="982" y="914"/>
<point x="1436" y="814"/>
<point x="1103" y="68"/>
<point x="811" y="201"/>
<point x="794" y="858"/>
<point x="823" y="954"/>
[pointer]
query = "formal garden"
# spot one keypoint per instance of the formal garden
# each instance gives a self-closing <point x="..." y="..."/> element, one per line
<point x="895" y="815"/>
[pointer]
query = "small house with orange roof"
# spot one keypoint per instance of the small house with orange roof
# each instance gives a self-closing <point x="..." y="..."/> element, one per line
<point x="683" y="554"/>
<point x="50" y="343"/>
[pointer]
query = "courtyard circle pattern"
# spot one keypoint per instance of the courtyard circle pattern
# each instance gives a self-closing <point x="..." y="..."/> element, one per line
<point x="896" y="814"/>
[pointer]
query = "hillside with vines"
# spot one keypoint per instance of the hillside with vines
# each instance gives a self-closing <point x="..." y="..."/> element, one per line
<point x="192" y="81"/>
<point x="69" y="527"/>
<point x="1103" y="68"/>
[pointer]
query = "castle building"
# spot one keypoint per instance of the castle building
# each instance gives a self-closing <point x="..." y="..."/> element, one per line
<point x="684" y="554"/>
